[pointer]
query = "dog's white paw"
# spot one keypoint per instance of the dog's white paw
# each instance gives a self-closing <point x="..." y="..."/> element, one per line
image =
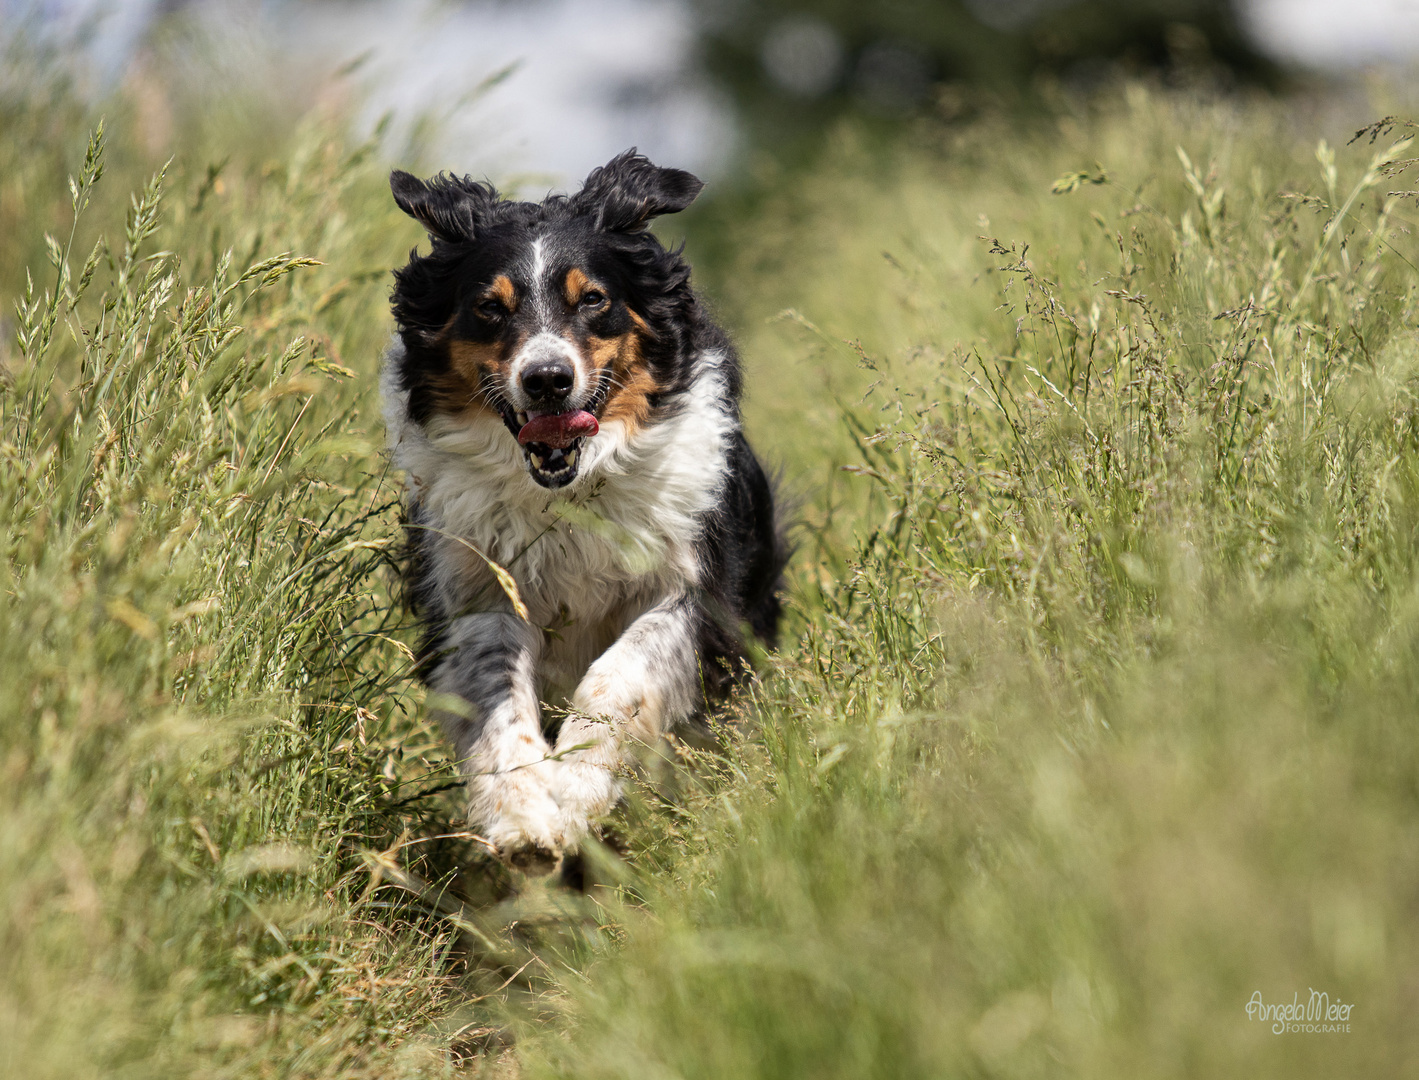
<point x="518" y="811"/>
<point x="586" y="791"/>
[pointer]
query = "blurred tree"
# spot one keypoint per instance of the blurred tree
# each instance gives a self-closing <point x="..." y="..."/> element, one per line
<point x="791" y="63"/>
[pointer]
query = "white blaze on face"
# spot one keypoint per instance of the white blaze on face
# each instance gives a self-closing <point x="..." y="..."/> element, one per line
<point x="545" y="300"/>
<point x="540" y="293"/>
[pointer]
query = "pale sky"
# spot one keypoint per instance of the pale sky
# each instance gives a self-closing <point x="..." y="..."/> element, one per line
<point x="1336" y="33"/>
<point x="592" y="78"/>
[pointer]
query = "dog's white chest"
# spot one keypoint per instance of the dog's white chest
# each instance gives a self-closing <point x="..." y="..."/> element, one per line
<point x="625" y="532"/>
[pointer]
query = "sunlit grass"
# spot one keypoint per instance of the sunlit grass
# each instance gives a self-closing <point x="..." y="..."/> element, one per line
<point x="1096" y="716"/>
<point x="1106" y="726"/>
<point x="207" y="712"/>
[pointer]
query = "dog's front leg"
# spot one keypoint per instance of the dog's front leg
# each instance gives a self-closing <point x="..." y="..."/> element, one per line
<point x="637" y="689"/>
<point x="489" y="661"/>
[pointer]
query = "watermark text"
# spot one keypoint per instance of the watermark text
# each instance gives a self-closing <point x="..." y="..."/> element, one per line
<point x="1317" y="1014"/>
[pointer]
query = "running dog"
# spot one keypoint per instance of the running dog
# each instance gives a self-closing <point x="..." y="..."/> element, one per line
<point x="588" y="526"/>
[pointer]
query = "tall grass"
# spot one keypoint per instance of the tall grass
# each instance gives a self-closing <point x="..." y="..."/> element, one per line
<point x="204" y="709"/>
<point x="1095" y="719"/>
<point x="1109" y="725"/>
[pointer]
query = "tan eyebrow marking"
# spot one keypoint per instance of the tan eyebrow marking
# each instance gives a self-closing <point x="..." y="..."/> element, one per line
<point x="578" y="285"/>
<point x="502" y="288"/>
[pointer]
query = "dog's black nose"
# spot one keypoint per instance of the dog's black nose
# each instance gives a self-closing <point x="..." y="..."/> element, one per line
<point x="550" y="378"/>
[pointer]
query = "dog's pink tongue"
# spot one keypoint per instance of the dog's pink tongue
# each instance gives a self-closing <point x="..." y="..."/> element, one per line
<point x="558" y="430"/>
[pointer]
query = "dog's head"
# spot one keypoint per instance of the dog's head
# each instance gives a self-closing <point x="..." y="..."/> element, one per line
<point x="556" y="316"/>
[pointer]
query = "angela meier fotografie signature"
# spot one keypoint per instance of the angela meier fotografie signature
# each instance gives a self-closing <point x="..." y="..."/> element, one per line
<point x="1316" y="1014"/>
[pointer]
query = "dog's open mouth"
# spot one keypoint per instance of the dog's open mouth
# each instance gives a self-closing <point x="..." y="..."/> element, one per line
<point x="551" y="442"/>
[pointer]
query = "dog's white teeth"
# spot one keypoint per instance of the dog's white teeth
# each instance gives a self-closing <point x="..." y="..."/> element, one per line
<point x="571" y="457"/>
<point x="536" y="460"/>
<point x="522" y="419"/>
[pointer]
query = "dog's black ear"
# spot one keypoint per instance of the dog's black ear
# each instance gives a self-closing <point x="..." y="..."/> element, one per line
<point x="628" y="191"/>
<point x="449" y="208"/>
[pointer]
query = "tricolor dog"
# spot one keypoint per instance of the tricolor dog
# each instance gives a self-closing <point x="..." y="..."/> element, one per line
<point x="565" y="410"/>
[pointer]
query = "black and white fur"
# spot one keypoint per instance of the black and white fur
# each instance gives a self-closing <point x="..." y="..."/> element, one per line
<point x="638" y="569"/>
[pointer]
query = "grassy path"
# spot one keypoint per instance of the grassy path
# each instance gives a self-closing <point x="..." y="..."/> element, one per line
<point x="1097" y="719"/>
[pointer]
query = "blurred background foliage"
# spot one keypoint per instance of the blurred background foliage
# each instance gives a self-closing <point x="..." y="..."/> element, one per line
<point x="790" y="65"/>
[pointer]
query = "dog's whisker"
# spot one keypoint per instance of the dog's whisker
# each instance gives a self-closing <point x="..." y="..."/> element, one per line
<point x="609" y="383"/>
<point x="490" y="392"/>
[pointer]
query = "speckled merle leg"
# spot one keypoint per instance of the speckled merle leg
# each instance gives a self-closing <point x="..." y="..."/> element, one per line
<point x="636" y="690"/>
<point x="488" y="661"/>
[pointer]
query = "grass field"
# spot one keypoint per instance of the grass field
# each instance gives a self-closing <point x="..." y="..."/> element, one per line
<point x="1094" y="720"/>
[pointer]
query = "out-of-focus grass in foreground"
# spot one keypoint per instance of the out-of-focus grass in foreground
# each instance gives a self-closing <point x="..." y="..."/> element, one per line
<point x="1096" y="719"/>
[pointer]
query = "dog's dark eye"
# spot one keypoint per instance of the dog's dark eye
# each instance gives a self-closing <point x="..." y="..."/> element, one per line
<point x="491" y="309"/>
<point x="592" y="299"/>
